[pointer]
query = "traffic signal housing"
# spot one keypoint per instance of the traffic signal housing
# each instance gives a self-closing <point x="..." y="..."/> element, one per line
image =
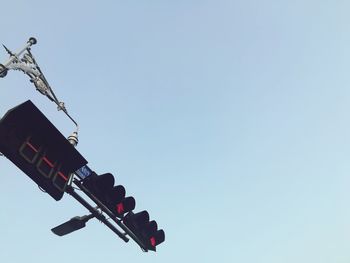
<point x="30" y="141"/>
<point x="113" y="197"/>
<point x="144" y="229"/>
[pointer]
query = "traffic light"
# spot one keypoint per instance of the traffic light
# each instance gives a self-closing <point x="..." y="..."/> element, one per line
<point x="113" y="197"/>
<point x="147" y="231"/>
<point x="33" y="144"/>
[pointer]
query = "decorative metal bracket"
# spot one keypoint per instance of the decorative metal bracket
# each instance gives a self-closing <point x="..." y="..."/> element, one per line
<point x="24" y="61"/>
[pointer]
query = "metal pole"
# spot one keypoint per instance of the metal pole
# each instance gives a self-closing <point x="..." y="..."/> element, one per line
<point x="31" y="41"/>
<point x="95" y="213"/>
<point x="103" y="207"/>
<point x="110" y="214"/>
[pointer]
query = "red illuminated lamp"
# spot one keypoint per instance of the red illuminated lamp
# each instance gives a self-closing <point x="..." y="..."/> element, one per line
<point x="157" y="238"/>
<point x="126" y="205"/>
<point x="145" y="230"/>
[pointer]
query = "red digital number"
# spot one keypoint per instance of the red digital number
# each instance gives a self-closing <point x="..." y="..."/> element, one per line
<point x="45" y="165"/>
<point x="29" y="151"/>
<point x="60" y="180"/>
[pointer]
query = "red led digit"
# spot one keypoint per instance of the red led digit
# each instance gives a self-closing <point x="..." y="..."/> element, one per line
<point x="60" y="180"/>
<point x="32" y="147"/>
<point x="62" y="176"/>
<point x="45" y="166"/>
<point x="28" y="151"/>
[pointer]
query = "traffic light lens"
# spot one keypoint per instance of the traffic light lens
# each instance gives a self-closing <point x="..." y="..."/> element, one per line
<point x="153" y="241"/>
<point x="142" y="218"/>
<point x="120" y="208"/>
<point x="105" y="181"/>
<point x="151" y="227"/>
<point x="138" y="220"/>
<point x="117" y="194"/>
<point x="159" y="237"/>
<point x="129" y="204"/>
<point x="156" y="239"/>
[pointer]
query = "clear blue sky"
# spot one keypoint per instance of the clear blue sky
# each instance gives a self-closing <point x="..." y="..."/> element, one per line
<point x="227" y="120"/>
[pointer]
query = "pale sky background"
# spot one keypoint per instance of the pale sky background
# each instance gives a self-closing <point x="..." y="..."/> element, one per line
<point x="227" y="120"/>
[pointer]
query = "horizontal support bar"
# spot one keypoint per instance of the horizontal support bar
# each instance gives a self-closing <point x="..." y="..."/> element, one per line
<point x="70" y="190"/>
<point x="110" y="214"/>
